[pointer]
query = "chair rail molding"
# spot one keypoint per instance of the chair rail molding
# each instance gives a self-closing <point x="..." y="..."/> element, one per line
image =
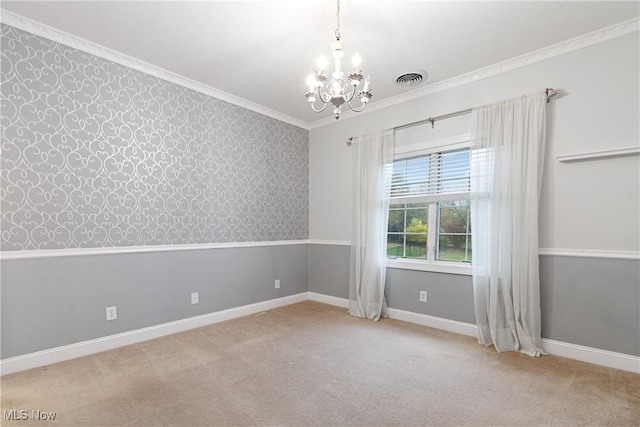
<point x="590" y="253"/>
<point x="330" y="242"/>
<point x="115" y="250"/>
<point x="568" y="252"/>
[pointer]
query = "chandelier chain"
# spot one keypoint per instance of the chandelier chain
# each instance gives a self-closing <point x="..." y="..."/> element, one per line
<point x="338" y="21"/>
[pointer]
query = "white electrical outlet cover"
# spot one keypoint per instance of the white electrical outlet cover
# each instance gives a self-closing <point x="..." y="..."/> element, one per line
<point x="112" y="313"/>
<point x="423" y="296"/>
<point x="195" y="298"/>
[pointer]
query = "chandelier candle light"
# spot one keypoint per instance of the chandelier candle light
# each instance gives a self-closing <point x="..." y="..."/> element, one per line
<point x="336" y="91"/>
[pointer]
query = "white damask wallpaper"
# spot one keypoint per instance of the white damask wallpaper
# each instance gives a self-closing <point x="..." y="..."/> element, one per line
<point x="95" y="154"/>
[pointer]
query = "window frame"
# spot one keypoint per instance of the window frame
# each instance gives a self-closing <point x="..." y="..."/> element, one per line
<point x="430" y="263"/>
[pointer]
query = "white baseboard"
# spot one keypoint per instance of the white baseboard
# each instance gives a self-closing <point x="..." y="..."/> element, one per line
<point x="85" y="348"/>
<point x="596" y="356"/>
<point x="407" y="316"/>
<point x="328" y="299"/>
<point x="59" y="354"/>
<point x="434" y="322"/>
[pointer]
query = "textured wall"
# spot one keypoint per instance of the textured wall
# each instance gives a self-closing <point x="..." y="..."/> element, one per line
<point x="95" y="154"/>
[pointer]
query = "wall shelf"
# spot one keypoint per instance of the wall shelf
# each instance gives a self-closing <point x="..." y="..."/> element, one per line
<point x="597" y="155"/>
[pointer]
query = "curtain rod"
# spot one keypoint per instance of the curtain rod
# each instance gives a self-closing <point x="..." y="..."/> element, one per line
<point x="550" y="94"/>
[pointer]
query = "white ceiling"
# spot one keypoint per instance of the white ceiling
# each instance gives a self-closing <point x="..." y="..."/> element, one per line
<point x="263" y="50"/>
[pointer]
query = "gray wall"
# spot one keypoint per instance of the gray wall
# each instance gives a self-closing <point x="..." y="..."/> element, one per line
<point x="122" y="158"/>
<point x="49" y="302"/>
<point x="593" y="302"/>
<point x="598" y="109"/>
<point x="329" y="270"/>
<point x="586" y="301"/>
<point x="449" y="296"/>
<point x="95" y="154"/>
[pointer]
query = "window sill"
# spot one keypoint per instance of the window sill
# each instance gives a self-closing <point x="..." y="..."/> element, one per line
<point x="436" y="267"/>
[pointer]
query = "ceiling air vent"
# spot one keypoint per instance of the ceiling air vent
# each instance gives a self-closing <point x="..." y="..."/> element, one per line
<point x="414" y="78"/>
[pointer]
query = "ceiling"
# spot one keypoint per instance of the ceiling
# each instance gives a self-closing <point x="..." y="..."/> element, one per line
<point x="262" y="51"/>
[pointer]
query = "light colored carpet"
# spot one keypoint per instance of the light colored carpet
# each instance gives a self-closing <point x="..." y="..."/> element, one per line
<point x="312" y="364"/>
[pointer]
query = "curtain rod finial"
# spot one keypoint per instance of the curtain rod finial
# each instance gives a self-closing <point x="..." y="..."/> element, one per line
<point x="349" y="141"/>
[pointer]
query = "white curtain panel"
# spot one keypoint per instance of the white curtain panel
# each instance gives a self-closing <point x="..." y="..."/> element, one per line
<point x="506" y="173"/>
<point x="371" y="170"/>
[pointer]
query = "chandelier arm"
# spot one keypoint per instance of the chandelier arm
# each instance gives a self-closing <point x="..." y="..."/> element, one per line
<point x="357" y="110"/>
<point x="319" y="110"/>
<point x="350" y="96"/>
<point x="324" y="97"/>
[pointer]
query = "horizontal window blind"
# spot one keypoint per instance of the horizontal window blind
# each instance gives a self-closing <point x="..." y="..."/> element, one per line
<point x="410" y="177"/>
<point x="435" y="176"/>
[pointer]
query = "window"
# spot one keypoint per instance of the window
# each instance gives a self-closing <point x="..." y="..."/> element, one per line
<point x="407" y="236"/>
<point x="429" y="215"/>
<point x="454" y="232"/>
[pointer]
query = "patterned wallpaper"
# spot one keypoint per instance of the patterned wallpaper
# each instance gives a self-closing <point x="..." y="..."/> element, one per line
<point x="95" y="154"/>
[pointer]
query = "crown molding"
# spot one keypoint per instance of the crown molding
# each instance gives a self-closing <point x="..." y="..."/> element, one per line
<point x="585" y="40"/>
<point x="59" y="36"/>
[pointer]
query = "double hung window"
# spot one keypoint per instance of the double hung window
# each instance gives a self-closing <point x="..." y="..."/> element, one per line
<point x="429" y="218"/>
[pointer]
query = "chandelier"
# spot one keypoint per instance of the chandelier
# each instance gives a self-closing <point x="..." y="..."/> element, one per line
<point x="339" y="89"/>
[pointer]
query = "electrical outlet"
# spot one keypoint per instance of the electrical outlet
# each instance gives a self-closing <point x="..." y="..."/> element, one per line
<point x="423" y="296"/>
<point x="195" y="298"/>
<point x="278" y="284"/>
<point x="112" y="313"/>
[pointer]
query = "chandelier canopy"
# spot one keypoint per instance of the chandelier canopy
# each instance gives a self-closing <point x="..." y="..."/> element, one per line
<point x="340" y="88"/>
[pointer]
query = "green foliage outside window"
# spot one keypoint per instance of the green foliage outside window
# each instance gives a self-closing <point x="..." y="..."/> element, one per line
<point x="454" y="241"/>
<point x="427" y="177"/>
<point x="409" y="241"/>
